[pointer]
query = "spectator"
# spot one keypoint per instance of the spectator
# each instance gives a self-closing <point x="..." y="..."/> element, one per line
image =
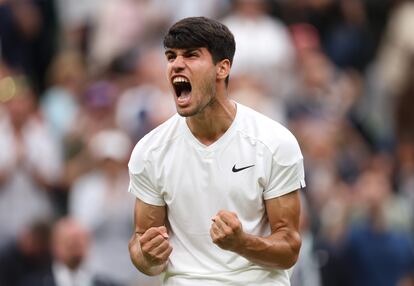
<point x="98" y="200"/>
<point x="376" y="252"/>
<point x="27" y="30"/>
<point x="149" y="103"/>
<point x="30" y="162"/>
<point x="96" y="113"/>
<point x="270" y="55"/>
<point x="348" y="43"/>
<point x="251" y="92"/>
<point x="61" y="101"/>
<point x="69" y="247"/>
<point x="24" y="256"/>
<point x="322" y="90"/>
<point x="112" y="37"/>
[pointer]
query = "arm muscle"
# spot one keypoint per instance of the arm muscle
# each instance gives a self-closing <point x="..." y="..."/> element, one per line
<point x="281" y="248"/>
<point x="146" y="217"/>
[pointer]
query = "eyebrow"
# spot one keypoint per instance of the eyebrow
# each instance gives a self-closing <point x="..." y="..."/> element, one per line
<point x="169" y="52"/>
<point x="189" y="50"/>
<point x="185" y="51"/>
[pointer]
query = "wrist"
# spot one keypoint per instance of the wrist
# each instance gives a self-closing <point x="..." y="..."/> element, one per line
<point x="242" y="242"/>
<point x="151" y="270"/>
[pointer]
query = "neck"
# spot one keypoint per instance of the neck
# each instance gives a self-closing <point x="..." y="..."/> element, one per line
<point x="213" y="121"/>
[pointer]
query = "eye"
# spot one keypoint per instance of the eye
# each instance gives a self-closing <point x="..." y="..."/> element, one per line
<point x="193" y="55"/>
<point x="170" y="57"/>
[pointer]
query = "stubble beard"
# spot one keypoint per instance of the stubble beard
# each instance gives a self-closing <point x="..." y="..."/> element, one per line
<point x="207" y="89"/>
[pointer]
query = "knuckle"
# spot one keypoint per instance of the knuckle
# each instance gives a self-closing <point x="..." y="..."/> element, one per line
<point x="151" y="230"/>
<point x="165" y="254"/>
<point x="159" y="257"/>
<point x="164" y="244"/>
<point x="168" y="251"/>
<point x="235" y="225"/>
<point x="141" y="241"/>
<point x="145" y="248"/>
<point x="228" y="232"/>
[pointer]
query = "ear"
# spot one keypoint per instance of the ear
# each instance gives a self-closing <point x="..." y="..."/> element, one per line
<point x="223" y="69"/>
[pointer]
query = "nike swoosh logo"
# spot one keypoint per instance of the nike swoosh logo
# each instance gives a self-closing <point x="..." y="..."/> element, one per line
<point x="235" y="170"/>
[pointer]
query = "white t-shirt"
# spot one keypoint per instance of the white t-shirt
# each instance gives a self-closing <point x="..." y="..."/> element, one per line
<point x="254" y="160"/>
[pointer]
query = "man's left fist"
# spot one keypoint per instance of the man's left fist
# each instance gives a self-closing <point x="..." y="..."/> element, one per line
<point x="226" y="230"/>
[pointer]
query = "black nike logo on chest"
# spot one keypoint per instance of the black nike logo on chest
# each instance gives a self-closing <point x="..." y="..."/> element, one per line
<point x="235" y="170"/>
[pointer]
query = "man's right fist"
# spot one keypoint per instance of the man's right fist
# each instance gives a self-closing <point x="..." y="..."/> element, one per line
<point x="155" y="246"/>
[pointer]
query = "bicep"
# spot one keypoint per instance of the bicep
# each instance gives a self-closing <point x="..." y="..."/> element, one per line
<point x="147" y="216"/>
<point x="283" y="212"/>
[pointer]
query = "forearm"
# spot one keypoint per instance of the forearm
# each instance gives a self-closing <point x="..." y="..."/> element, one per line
<point x="279" y="250"/>
<point x="139" y="260"/>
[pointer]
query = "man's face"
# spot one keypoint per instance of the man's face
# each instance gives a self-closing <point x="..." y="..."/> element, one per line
<point x="70" y="244"/>
<point x="192" y="77"/>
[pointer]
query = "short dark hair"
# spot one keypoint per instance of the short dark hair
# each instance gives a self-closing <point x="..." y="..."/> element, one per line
<point x="202" y="32"/>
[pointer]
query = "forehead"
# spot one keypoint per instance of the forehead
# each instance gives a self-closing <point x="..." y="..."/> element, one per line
<point x="186" y="50"/>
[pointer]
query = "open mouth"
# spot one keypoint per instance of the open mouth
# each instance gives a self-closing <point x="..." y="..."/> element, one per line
<point x="181" y="86"/>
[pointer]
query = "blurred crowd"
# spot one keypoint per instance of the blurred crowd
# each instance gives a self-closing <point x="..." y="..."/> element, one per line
<point x="82" y="81"/>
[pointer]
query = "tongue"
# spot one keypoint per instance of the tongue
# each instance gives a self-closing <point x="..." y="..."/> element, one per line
<point x="184" y="98"/>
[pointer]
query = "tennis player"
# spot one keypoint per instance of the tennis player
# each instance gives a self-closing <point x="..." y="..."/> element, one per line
<point x="216" y="185"/>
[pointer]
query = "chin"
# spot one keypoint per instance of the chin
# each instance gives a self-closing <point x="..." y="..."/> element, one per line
<point x="186" y="112"/>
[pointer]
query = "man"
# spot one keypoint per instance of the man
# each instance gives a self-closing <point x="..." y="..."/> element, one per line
<point x="216" y="184"/>
<point x="25" y="255"/>
<point x="69" y="246"/>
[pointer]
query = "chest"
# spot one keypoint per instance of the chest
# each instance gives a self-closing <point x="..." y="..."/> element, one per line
<point x="206" y="181"/>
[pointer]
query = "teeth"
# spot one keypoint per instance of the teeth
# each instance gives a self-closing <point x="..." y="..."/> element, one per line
<point x="179" y="79"/>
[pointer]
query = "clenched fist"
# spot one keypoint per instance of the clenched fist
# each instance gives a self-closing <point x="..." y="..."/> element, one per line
<point x="226" y="230"/>
<point x="155" y="246"/>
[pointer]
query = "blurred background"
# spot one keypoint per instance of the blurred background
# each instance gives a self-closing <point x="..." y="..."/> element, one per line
<point x="82" y="81"/>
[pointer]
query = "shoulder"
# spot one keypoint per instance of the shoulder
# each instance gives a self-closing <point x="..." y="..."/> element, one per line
<point x="278" y="139"/>
<point x="41" y="278"/>
<point x="157" y="139"/>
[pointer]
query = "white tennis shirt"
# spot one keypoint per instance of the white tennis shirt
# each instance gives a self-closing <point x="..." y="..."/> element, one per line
<point x="256" y="159"/>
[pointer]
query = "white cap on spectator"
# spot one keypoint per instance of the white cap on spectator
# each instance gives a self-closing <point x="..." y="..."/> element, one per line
<point x="110" y="144"/>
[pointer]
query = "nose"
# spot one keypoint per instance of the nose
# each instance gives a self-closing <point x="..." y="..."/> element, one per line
<point x="178" y="63"/>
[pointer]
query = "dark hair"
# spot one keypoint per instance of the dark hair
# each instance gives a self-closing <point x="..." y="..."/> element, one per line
<point x="202" y="32"/>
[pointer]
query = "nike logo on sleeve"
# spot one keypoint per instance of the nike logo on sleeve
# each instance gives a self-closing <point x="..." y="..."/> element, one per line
<point x="235" y="170"/>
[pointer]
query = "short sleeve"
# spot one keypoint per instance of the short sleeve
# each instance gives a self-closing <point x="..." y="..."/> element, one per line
<point x="287" y="171"/>
<point x="141" y="182"/>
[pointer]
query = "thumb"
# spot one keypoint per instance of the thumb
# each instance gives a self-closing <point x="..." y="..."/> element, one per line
<point x="163" y="231"/>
